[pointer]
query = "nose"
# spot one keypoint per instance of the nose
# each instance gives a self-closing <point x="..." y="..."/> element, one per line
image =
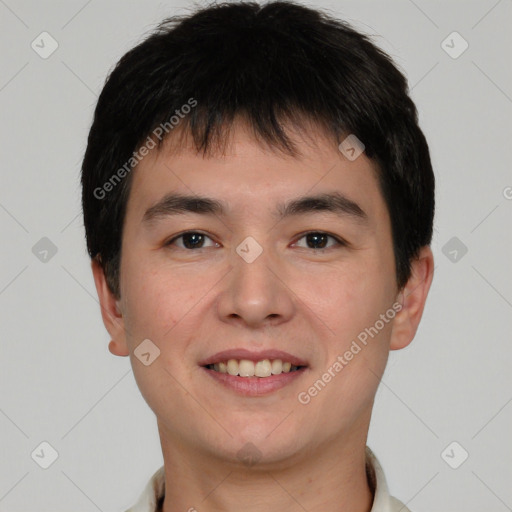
<point x="256" y="292"/>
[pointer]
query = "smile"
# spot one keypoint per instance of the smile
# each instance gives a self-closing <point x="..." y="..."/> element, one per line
<point x="246" y="368"/>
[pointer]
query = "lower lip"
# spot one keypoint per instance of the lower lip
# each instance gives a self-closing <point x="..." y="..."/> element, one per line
<point x="255" y="386"/>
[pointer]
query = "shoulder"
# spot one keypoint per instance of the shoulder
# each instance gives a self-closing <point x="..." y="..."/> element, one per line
<point x="152" y="494"/>
<point x="382" y="500"/>
<point x="397" y="505"/>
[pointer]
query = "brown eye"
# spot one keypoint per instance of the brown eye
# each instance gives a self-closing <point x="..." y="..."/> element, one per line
<point x="319" y="240"/>
<point x="190" y="240"/>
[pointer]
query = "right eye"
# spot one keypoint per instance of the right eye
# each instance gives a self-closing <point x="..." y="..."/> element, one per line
<point x="190" y="240"/>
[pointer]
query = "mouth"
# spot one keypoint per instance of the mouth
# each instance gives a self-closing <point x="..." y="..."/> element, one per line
<point x="254" y="374"/>
<point x="246" y="368"/>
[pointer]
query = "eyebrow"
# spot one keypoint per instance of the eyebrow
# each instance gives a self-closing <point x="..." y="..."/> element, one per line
<point x="176" y="204"/>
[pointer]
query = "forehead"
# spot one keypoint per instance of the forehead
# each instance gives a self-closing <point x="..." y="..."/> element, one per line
<point x="247" y="174"/>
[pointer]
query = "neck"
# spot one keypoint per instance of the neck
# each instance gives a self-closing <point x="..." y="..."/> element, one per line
<point x="330" y="478"/>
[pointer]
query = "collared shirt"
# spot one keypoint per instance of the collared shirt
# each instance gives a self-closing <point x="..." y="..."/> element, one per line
<point x="152" y="497"/>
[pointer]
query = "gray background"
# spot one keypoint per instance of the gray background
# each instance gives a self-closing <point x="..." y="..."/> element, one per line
<point x="59" y="383"/>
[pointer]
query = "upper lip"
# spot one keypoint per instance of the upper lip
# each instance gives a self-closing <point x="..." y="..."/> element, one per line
<point x="242" y="353"/>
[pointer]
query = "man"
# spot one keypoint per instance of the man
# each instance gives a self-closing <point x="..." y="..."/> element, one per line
<point x="258" y="202"/>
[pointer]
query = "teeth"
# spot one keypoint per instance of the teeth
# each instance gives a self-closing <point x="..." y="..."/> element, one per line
<point x="246" y="368"/>
<point x="277" y="366"/>
<point x="263" y="368"/>
<point x="232" y="367"/>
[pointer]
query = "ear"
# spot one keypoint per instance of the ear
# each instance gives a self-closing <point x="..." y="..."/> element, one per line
<point x="412" y="299"/>
<point x="110" y="312"/>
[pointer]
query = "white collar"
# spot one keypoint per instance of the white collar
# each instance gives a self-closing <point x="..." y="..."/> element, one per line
<point x="382" y="502"/>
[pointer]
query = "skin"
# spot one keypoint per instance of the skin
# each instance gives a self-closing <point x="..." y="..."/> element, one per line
<point x="192" y="303"/>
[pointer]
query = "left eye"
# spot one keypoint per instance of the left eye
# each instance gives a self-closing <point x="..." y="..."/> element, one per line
<point x="319" y="240"/>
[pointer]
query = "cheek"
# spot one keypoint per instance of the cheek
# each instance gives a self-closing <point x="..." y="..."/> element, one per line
<point x="350" y="301"/>
<point x="346" y="298"/>
<point x="157" y="302"/>
<point x="155" y="299"/>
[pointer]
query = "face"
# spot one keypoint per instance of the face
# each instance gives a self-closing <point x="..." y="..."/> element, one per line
<point x="259" y="274"/>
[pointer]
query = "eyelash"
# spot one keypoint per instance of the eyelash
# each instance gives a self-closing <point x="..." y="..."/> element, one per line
<point x="339" y="241"/>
